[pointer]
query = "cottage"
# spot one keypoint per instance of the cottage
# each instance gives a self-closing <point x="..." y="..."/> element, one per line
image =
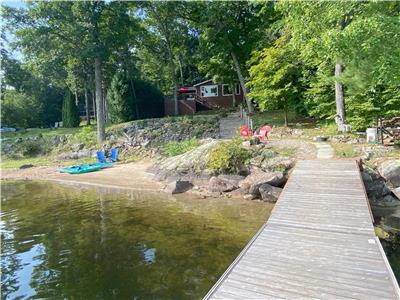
<point x="204" y="96"/>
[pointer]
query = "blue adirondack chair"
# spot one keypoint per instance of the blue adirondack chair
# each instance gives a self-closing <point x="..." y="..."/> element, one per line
<point x="114" y="154"/>
<point x="101" y="156"/>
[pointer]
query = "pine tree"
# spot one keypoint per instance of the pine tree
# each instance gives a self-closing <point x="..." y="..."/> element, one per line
<point x="120" y="100"/>
<point x="70" y="114"/>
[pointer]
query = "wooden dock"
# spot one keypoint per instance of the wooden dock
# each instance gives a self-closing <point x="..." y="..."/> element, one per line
<point x="318" y="243"/>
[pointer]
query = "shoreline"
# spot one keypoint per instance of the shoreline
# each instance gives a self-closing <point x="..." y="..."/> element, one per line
<point x="131" y="176"/>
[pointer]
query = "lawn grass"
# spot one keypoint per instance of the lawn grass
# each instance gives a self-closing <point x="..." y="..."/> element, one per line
<point x="46" y="132"/>
<point x="42" y="161"/>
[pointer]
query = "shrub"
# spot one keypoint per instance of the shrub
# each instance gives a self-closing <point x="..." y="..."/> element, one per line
<point x="70" y="114"/>
<point x="86" y="135"/>
<point x="30" y="147"/>
<point x="229" y="157"/>
<point x="175" y="148"/>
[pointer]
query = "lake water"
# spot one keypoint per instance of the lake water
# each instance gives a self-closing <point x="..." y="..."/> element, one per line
<point x="61" y="241"/>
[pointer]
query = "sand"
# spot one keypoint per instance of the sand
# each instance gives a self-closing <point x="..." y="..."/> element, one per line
<point x="126" y="176"/>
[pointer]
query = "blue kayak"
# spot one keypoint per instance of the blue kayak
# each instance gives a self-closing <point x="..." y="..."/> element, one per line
<point x="86" y="168"/>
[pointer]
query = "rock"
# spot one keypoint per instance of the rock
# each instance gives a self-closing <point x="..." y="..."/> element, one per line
<point x="77" y="147"/>
<point x="393" y="220"/>
<point x="269" y="193"/>
<point x="390" y="170"/>
<point x="193" y="161"/>
<point x="376" y="188"/>
<point x="396" y="192"/>
<point x="389" y="201"/>
<point x="178" y="186"/>
<point x="320" y="138"/>
<point x="232" y="179"/>
<point x="366" y="177"/>
<point x="249" y="197"/>
<point x="257" y="177"/>
<point x="26" y="166"/>
<point x="217" y="184"/>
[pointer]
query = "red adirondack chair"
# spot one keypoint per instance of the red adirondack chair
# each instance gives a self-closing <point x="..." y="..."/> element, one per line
<point x="263" y="132"/>
<point x="245" y="131"/>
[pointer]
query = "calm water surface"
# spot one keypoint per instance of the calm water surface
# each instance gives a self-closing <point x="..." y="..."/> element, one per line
<point x="62" y="241"/>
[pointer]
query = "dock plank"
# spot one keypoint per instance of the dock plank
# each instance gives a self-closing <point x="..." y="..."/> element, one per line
<point x="319" y="243"/>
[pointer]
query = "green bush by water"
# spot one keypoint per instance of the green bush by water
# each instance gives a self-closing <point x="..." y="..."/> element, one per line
<point x="229" y="157"/>
<point x="31" y="148"/>
<point x="175" y="148"/>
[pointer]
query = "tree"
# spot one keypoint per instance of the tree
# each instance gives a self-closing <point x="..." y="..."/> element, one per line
<point x="274" y="78"/>
<point x="70" y="114"/>
<point x="79" y="33"/>
<point x="119" y="99"/>
<point x="231" y="31"/>
<point x="163" y="19"/>
<point x="340" y="43"/>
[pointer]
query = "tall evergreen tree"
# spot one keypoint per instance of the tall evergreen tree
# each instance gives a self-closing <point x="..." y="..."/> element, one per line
<point x="70" y="113"/>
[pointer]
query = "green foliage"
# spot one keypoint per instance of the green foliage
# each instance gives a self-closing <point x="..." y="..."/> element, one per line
<point x="70" y="114"/>
<point x="175" y="148"/>
<point x="274" y="78"/>
<point x="119" y="100"/>
<point x="229" y="157"/>
<point x="18" y="110"/>
<point x="345" y="150"/>
<point x="86" y="135"/>
<point x="32" y="147"/>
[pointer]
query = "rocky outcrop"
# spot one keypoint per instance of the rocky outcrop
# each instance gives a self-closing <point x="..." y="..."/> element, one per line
<point x="153" y="133"/>
<point x="269" y="160"/>
<point x="390" y="170"/>
<point x="191" y="162"/>
<point x="378" y="190"/>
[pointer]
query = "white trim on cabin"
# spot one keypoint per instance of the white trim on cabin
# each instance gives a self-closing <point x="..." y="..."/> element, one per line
<point x="237" y="89"/>
<point x="206" y="93"/>
<point x="200" y="83"/>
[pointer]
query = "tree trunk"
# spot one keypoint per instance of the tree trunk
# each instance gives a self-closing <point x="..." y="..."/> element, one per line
<point x="340" y="109"/>
<point x="76" y="99"/>
<point x="135" y="99"/>
<point x="233" y="95"/>
<point x="105" y="105"/>
<point x="241" y="80"/>
<point x="286" y="115"/>
<point x="180" y="67"/>
<point x="101" y="133"/>
<point x="172" y="71"/>
<point x="87" y="107"/>
<point x="94" y="104"/>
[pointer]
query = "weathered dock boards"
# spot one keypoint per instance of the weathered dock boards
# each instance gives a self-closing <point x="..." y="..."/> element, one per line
<point x="318" y="243"/>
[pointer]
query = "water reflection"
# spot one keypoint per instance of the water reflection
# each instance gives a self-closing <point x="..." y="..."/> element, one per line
<point x="65" y="242"/>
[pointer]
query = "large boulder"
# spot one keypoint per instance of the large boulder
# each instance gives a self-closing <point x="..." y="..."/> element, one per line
<point x="269" y="193"/>
<point x="194" y="161"/>
<point x="224" y="183"/>
<point x="178" y="186"/>
<point x="390" y="170"/>
<point x="257" y="177"/>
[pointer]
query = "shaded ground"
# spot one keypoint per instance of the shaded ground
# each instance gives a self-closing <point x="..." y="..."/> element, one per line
<point x="229" y="125"/>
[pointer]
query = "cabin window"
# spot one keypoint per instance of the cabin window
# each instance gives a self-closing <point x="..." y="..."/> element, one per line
<point x="209" y="90"/>
<point x="237" y="89"/>
<point x="226" y="90"/>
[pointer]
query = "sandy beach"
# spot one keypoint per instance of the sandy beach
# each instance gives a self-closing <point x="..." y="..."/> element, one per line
<point x="127" y="176"/>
